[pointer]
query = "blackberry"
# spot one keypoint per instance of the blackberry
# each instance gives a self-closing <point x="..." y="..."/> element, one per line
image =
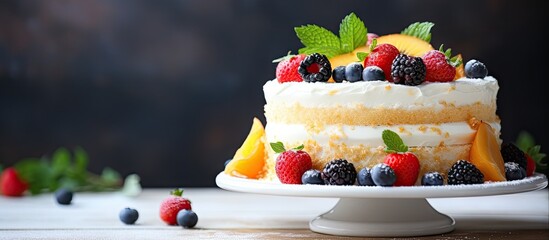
<point x="312" y="176"/>
<point x="464" y="172"/>
<point x="339" y="74"/>
<point x="339" y="172"/>
<point x="513" y="171"/>
<point x="512" y="153"/>
<point x="408" y="70"/>
<point x="315" y="68"/>
<point x="432" y="179"/>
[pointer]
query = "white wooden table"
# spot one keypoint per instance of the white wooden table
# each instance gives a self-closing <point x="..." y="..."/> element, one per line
<point x="229" y="215"/>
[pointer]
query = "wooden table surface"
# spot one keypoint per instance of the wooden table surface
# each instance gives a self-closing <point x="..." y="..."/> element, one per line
<point x="231" y="215"/>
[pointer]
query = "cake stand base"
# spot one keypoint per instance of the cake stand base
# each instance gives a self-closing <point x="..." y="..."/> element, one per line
<point x="382" y="217"/>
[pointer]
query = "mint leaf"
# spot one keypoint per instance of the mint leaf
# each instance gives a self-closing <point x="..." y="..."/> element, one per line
<point x="420" y="30"/>
<point x="278" y="147"/>
<point x="80" y="160"/>
<point x="61" y="161"/>
<point x="329" y="52"/>
<point x="525" y="141"/>
<point x="352" y="33"/>
<point x="393" y="142"/>
<point x="300" y="147"/>
<point x="319" y="38"/>
<point x="361" y="56"/>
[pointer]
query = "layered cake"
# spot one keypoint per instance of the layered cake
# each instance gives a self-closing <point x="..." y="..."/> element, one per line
<point x="363" y="109"/>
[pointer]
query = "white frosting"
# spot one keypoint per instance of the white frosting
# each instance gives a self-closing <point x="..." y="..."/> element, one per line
<point x="383" y="94"/>
<point x="413" y="135"/>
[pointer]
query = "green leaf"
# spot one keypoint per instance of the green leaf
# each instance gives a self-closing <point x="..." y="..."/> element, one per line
<point x="80" y="160"/>
<point x="110" y="177"/>
<point x="36" y="172"/>
<point x="420" y="30"/>
<point x="61" y="161"/>
<point x="288" y="56"/>
<point x="300" y="147"/>
<point x="352" y="33"/>
<point x="177" y="192"/>
<point x="393" y="142"/>
<point x="320" y="39"/>
<point x="278" y="147"/>
<point x="525" y="141"/>
<point x="361" y="56"/>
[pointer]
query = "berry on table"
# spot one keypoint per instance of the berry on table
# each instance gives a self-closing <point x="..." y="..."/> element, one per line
<point x="63" y="196"/>
<point x="373" y="73"/>
<point x="513" y="171"/>
<point x="432" y="179"/>
<point x="286" y="70"/>
<point x="353" y="72"/>
<point x="464" y="172"/>
<point x="11" y="184"/>
<point x="128" y="215"/>
<point x="408" y="70"/>
<point x="364" y="178"/>
<point x="312" y="176"/>
<point x="172" y="205"/>
<point x="339" y="172"/>
<point x="511" y="153"/>
<point x="382" y="56"/>
<point x="339" y="74"/>
<point x="291" y="164"/>
<point x="187" y="218"/>
<point x="315" y="68"/>
<point x="475" y="69"/>
<point x="383" y="175"/>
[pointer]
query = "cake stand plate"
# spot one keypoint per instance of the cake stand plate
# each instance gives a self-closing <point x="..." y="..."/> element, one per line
<point x="381" y="211"/>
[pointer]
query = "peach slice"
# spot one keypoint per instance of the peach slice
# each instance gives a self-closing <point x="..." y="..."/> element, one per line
<point x="249" y="159"/>
<point x="409" y="45"/>
<point x="345" y="59"/>
<point x="485" y="154"/>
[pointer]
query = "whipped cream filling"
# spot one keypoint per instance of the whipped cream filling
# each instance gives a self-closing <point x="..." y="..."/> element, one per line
<point x="383" y="94"/>
<point x="413" y="135"/>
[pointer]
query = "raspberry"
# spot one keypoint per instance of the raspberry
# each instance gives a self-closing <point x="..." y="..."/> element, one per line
<point x="307" y="71"/>
<point x="464" y="172"/>
<point x="408" y="70"/>
<point x="339" y="172"/>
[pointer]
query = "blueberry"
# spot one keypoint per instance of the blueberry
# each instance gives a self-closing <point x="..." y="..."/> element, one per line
<point x="513" y="171"/>
<point x="227" y="162"/>
<point x="187" y="218"/>
<point x="312" y="176"/>
<point x="432" y="179"/>
<point x="128" y="215"/>
<point x="372" y="73"/>
<point x="353" y="72"/>
<point x="63" y="196"/>
<point x="383" y="175"/>
<point x="364" y="178"/>
<point x="339" y="74"/>
<point x="475" y="69"/>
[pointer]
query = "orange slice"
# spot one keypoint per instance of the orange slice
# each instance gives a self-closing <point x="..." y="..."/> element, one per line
<point x="485" y="154"/>
<point x="249" y="159"/>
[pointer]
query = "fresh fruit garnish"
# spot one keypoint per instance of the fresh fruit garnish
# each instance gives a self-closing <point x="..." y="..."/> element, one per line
<point x="11" y="184"/>
<point x="475" y="69"/>
<point x="513" y="171"/>
<point x="353" y="72"/>
<point x="371" y="37"/>
<point x="534" y="158"/>
<point x="172" y="205"/>
<point x="373" y="73"/>
<point x="440" y="65"/>
<point x="511" y="153"/>
<point x="408" y="45"/>
<point x="464" y="172"/>
<point x="315" y="68"/>
<point x="460" y="70"/>
<point x="128" y="215"/>
<point x="286" y="70"/>
<point x="382" y="56"/>
<point x="187" y="218"/>
<point x="291" y="164"/>
<point x="383" y="175"/>
<point x="408" y="70"/>
<point x="249" y="159"/>
<point x="339" y="74"/>
<point x="312" y="176"/>
<point x="485" y="154"/>
<point x="64" y="196"/>
<point x="432" y="179"/>
<point x="364" y="177"/>
<point x="404" y="163"/>
<point x="339" y="172"/>
<point x="530" y="166"/>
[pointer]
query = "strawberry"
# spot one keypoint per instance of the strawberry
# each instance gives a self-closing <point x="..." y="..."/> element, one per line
<point x="382" y="56"/>
<point x="404" y="163"/>
<point x="291" y="164"/>
<point x="172" y="205"/>
<point x="440" y="66"/>
<point x="530" y="165"/>
<point x="286" y="70"/>
<point x="11" y="184"/>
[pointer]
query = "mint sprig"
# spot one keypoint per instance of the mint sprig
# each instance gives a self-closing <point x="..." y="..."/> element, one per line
<point x="525" y="142"/>
<point x="278" y="147"/>
<point x="393" y="142"/>
<point x="421" y="30"/>
<point x="316" y="39"/>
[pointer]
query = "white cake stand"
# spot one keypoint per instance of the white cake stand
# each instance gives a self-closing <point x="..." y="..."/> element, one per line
<point x="381" y="211"/>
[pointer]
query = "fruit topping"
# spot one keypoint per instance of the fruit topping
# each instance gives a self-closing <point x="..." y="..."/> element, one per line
<point x="312" y="176"/>
<point x="249" y="159"/>
<point x="485" y="154"/>
<point x="440" y="66"/>
<point x="475" y="69"/>
<point x="382" y="56"/>
<point x="339" y="74"/>
<point x="286" y="70"/>
<point x="315" y="68"/>
<point x="63" y="196"/>
<point x="353" y="72"/>
<point x="408" y="70"/>
<point x="511" y="153"/>
<point x="534" y="158"/>
<point x="187" y="218"/>
<point x="464" y="172"/>
<point x="383" y="175"/>
<point x="371" y="37"/>
<point x="460" y="70"/>
<point x="373" y="73"/>
<point x="408" y="45"/>
<point x="172" y="205"/>
<point x="364" y="178"/>
<point x="128" y="215"/>
<point x="513" y="171"/>
<point x="405" y="164"/>
<point x="339" y="172"/>
<point x="11" y="184"/>
<point x="291" y="164"/>
<point x="432" y="179"/>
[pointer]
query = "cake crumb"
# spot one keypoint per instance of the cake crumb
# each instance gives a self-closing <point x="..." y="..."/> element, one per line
<point x="422" y="128"/>
<point x="333" y="92"/>
<point x="436" y="130"/>
<point x="387" y="87"/>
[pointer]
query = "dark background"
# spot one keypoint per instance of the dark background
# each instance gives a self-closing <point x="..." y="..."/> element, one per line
<point x="168" y="89"/>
